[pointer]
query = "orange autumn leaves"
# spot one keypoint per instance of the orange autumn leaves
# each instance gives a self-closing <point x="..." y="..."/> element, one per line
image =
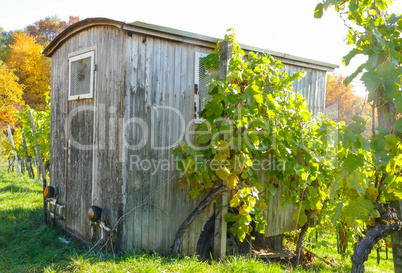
<point x="31" y="67"/>
<point x="11" y="96"/>
<point x="341" y="103"/>
<point x="24" y="78"/>
<point x="20" y="55"/>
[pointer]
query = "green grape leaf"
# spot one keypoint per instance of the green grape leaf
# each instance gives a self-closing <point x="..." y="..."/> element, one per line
<point x="398" y="125"/>
<point x="300" y="218"/>
<point x="352" y="162"/>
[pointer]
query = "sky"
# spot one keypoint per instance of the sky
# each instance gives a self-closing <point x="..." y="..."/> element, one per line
<point x="286" y="26"/>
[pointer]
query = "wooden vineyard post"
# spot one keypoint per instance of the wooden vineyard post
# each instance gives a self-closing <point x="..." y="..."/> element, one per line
<point x="222" y="202"/>
<point x="337" y="242"/>
<point x="378" y="255"/>
<point x="10" y="136"/>
<point x="396" y="239"/>
<point x="42" y="167"/>
<point x="27" y="159"/>
<point x="36" y="164"/>
<point x="22" y="166"/>
<point x="386" y="251"/>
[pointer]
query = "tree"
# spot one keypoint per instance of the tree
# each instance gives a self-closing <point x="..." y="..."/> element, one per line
<point x="342" y="96"/>
<point x="372" y="169"/>
<point x="11" y="96"/>
<point x="5" y="41"/>
<point x="45" y="30"/>
<point x="22" y="129"/>
<point x="31" y="67"/>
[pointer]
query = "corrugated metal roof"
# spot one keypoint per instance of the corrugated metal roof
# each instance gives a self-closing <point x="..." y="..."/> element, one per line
<point x="179" y="35"/>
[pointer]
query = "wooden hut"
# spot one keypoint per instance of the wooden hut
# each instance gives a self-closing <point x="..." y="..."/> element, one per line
<point x="122" y="95"/>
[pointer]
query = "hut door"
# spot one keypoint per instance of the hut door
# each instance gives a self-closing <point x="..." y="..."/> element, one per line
<point x="80" y="138"/>
<point x="80" y="166"/>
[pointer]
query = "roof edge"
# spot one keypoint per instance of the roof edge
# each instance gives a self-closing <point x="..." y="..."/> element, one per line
<point x="77" y="27"/>
<point x="285" y="58"/>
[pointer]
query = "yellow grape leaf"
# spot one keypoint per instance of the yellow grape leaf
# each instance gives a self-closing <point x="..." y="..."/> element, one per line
<point x="235" y="201"/>
<point x="371" y="221"/>
<point x="223" y="151"/>
<point x="223" y="173"/>
<point x="251" y="201"/>
<point x="244" y="210"/>
<point x="260" y="205"/>
<point x="232" y="181"/>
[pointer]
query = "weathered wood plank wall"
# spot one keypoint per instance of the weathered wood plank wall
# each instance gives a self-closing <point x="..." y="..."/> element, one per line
<point x="110" y="101"/>
<point x="312" y="87"/>
<point x="80" y="129"/>
<point x="160" y="81"/>
<point x="109" y="91"/>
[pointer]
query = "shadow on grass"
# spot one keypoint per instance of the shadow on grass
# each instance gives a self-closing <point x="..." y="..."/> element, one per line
<point x="27" y="245"/>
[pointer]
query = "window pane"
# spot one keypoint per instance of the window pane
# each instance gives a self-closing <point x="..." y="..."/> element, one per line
<point x="80" y="77"/>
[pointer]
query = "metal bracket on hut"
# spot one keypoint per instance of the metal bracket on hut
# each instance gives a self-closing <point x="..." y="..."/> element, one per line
<point x="51" y="195"/>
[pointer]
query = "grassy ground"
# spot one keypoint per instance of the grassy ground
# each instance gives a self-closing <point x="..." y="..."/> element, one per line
<point x="26" y="245"/>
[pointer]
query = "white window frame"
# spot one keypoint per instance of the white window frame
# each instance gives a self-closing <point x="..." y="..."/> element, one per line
<point x="78" y="56"/>
<point x="198" y="56"/>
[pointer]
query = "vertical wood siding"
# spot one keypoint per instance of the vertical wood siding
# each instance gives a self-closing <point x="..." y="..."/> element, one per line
<point x="58" y="115"/>
<point x="79" y="168"/>
<point x="160" y="78"/>
<point x="109" y="94"/>
<point x="311" y="86"/>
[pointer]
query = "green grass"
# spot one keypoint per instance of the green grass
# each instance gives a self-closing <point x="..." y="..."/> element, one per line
<point x="26" y="245"/>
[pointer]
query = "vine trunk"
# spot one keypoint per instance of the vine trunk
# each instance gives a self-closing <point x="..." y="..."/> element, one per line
<point x="299" y="244"/>
<point x="386" y="224"/>
<point x="212" y="195"/>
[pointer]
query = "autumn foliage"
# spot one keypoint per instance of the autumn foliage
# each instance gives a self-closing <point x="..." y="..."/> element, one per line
<point x="45" y="30"/>
<point x="11" y="96"/>
<point x="25" y="78"/>
<point x="31" y="67"/>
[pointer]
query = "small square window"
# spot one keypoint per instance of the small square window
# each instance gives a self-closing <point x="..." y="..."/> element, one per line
<point x="81" y="76"/>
